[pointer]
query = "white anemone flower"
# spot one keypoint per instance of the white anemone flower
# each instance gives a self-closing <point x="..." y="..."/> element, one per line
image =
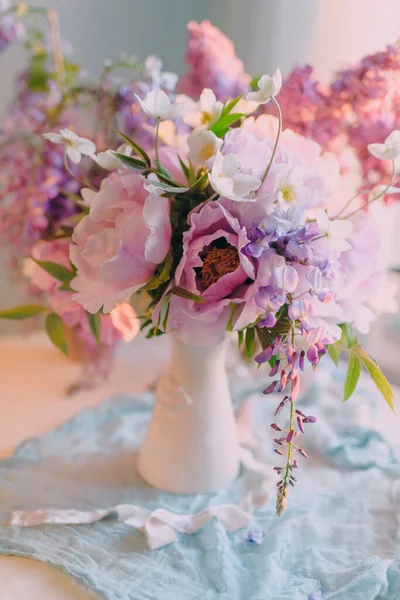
<point x="157" y="104"/>
<point x="205" y="112"/>
<point x="108" y="161"/>
<point x="203" y="145"/>
<point x="336" y="231"/>
<point x="228" y="181"/>
<point x="389" y="150"/>
<point x="269" y="86"/>
<point x="76" y="146"/>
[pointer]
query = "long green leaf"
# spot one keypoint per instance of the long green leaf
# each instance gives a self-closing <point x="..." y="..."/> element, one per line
<point x="224" y="122"/>
<point x="24" y="311"/>
<point x="353" y="375"/>
<point x="94" y="324"/>
<point x="161" y="277"/>
<point x="55" y="270"/>
<point x="55" y="331"/>
<point x="250" y="340"/>
<point x="230" y="105"/>
<point x="240" y="338"/>
<point x="178" y="291"/>
<point x="377" y="376"/>
<point x="129" y="161"/>
<point x="334" y="351"/>
<point x="169" y="188"/>
<point x="142" y="153"/>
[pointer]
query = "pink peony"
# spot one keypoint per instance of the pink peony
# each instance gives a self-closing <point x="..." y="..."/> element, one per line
<point x="212" y="63"/>
<point x="214" y="267"/>
<point x="119" y="244"/>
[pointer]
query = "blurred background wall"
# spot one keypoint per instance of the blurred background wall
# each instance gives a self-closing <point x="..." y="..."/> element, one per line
<point x="267" y="33"/>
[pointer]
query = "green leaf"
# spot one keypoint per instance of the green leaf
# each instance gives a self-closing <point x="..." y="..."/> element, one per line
<point x="142" y="153"/>
<point x="94" y="324"/>
<point x="24" y="311"/>
<point x="224" y="122"/>
<point x="348" y="336"/>
<point x="254" y="83"/>
<point x="185" y="169"/>
<point x="161" y="277"/>
<point x="229" y="327"/>
<point x="182" y="293"/>
<point x="377" y="376"/>
<point x="129" y="161"/>
<point x="169" y="188"/>
<point x="240" y="338"/>
<point x="56" y="332"/>
<point x="353" y="375"/>
<point x="230" y="105"/>
<point x="164" y="311"/>
<point x="250" y="341"/>
<point x="334" y="351"/>
<point x="55" y="270"/>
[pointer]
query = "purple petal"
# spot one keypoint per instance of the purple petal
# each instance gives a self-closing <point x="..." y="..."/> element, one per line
<point x="310" y="419"/>
<point x="270" y="388"/>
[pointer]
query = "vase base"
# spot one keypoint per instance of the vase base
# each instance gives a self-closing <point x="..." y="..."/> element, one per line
<point x="176" y="483"/>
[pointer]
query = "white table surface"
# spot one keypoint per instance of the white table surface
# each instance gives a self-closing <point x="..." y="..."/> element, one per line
<point x="33" y="378"/>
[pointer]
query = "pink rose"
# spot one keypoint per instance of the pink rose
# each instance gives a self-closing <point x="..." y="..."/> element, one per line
<point x="118" y="246"/>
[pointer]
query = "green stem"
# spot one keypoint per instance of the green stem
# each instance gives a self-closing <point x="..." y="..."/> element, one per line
<point x="376" y="197"/>
<point x="278" y="108"/>
<point x="157" y="142"/>
<point x="81" y="181"/>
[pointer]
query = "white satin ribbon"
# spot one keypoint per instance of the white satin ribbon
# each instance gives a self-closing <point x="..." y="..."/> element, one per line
<point x="161" y="527"/>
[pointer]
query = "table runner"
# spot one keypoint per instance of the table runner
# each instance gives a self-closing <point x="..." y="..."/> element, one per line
<point x="339" y="533"/>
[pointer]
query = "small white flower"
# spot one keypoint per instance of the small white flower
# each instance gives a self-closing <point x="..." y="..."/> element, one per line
<point x="284" y="218"/>
<point x="158" y="105"/>
<point x="290" y="186"/>
<point x="389" y="150"/>
<point x="108" y="161"/>
<point x="76" y="146"/>
<point x="269" y="86"/>
<point x="227" y="180"/>
<point x="203" y="145"/>
<point x="336" y="231"/>
<point x="205" y="112"/>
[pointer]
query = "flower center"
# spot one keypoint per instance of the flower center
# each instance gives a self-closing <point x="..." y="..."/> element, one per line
<point x="218" y="262"/>
<point x="205" y="117"/>
<point x="207" y="151"/>
<point x="288" y="193"/>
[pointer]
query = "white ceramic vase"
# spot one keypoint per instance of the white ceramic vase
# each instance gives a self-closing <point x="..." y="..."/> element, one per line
<point x="191" y="445"/>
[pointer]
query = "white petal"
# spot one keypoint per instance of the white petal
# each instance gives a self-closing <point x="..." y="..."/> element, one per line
<point x="322" y="220"/>
<point x="56" y="138"/>
<point x="74" y="154"/>
<point x="207" y="100"/>
<point x="340" y="229"/>
<point x="222" y="185"/>
<point x="258" y="97"/>
<point x="88" y="196"/>
<point x="86" y="147"/>
<point x="107" y="160"/>
<point x="230" y="165"/>
<point x="377" y="150"/>
<point x="244" y="184"/>
<point x="69" y="135"/>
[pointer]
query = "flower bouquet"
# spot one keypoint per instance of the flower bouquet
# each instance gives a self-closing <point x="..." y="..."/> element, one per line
<point x="229" y="224"/>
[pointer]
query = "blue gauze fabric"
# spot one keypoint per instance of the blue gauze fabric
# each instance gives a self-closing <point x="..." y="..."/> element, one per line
<point x="339" y="534"/>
